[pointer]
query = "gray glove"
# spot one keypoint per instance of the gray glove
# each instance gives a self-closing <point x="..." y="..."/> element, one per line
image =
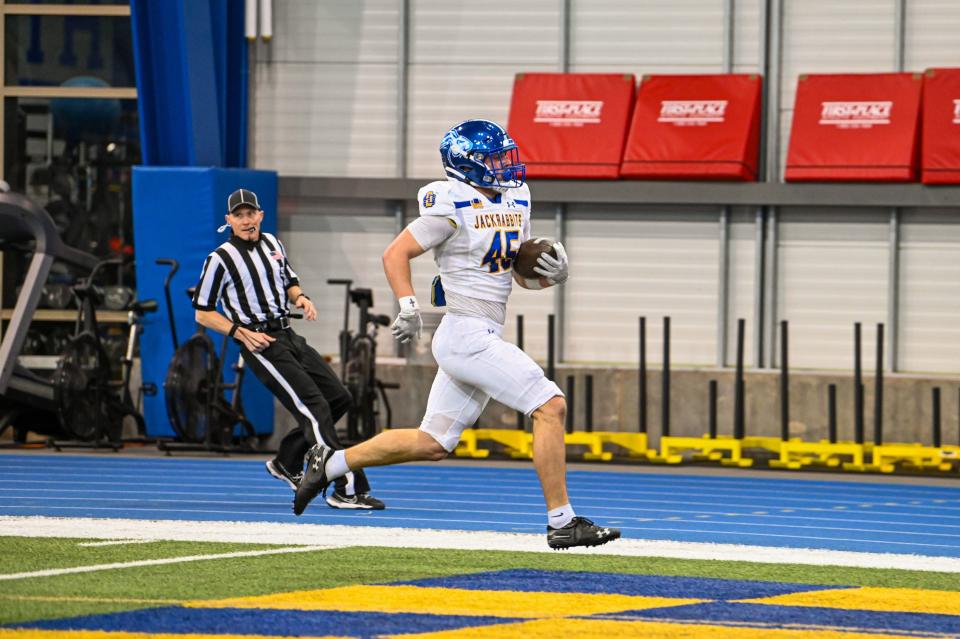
<point x="408" y="324"/>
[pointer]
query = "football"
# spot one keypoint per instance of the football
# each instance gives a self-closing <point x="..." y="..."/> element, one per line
<point x="527" y="256"/>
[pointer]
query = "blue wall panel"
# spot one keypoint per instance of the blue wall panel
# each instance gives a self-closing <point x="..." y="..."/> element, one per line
<point x="177" y="212"/>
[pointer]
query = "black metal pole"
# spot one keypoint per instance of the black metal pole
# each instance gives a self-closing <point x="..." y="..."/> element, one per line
<point x="551" y="353"/>
<point x="665" y="381"/>
<point x="642" y="387"/>
<point x="832" y="412"/>
<point x="712" y="407"/>
<point x="174" y="266"/>
<point x="738" y="393"/>
<point x="857" y="386"/>
<point x="784" y="383"/>
<point x="878" y="391"/>
<point x="521" y="420"/>
<point x="936" y="417"/>
<point x="588" y="404"/>
<point x="570" y="402"/>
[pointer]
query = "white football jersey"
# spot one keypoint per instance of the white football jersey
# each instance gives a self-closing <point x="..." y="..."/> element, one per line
<point x="477" y="260"/>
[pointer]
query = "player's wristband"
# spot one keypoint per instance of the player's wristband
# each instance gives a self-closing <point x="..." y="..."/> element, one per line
<point x="408" y="304"/>
<point x="299" y="296"/>
<point x="233" y="330"/>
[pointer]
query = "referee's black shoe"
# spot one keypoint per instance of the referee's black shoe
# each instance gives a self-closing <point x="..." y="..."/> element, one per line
<point x="276" y="469"/>
<point x="359" y="501"/>
<point x="580" y="532"/>
<point x="314" y="480"/>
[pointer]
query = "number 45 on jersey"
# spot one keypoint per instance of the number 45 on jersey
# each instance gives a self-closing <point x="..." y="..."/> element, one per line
<point x="502" y="251"/>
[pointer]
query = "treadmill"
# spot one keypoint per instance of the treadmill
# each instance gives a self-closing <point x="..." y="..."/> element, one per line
<point x="22" y="222"/>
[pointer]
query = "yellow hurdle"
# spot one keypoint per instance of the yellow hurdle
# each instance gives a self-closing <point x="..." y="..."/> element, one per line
<point x="468" y="446"/>
<point x="593" y="441"/>
<point x="796" y="454"/>
<point x="635" y="444"/>
<point x="519" y="444"/>
<point x="886" y="457"/>
<point x="726" y="450"/>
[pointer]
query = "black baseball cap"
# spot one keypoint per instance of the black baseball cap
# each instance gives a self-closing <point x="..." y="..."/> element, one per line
<point x="242" y="197"/>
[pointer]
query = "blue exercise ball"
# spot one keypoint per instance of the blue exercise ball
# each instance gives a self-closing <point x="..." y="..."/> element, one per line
<point x="83" y="118"/>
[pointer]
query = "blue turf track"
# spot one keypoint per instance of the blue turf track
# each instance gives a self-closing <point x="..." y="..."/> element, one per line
<point x="795" y="513"/>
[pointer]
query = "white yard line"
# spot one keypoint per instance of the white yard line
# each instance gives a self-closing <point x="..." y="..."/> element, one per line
<point x="53" y="572"/>
<point x="332" y="536"/>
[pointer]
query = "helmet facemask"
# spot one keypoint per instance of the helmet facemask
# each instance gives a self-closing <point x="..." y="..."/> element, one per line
<point x="503" y="169"/>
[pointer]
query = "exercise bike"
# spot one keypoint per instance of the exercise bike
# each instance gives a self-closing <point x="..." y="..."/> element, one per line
<point x="195" y="392"/>
<point x="358" y="365"/>
<point x="91" y="407"/>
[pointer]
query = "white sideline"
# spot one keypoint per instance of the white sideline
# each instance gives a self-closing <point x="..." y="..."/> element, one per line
<point x="345" y="536"/>
<point x="53" y="572"/>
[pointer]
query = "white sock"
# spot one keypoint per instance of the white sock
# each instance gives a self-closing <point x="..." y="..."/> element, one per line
<point x="337" y="465"/>
<point x="559" y="517"/>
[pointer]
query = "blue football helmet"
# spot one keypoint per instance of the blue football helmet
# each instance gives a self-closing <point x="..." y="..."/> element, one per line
<point x="480" y="153"/>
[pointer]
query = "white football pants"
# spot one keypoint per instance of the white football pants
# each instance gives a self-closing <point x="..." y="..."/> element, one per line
<point x="475" y="366"/>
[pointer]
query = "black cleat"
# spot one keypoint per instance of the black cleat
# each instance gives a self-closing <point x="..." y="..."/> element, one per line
<point x="360" y="501"/>
<point x="276" y="469"/>
<point x="314" y="479"/>
<point x="580" y="532"/>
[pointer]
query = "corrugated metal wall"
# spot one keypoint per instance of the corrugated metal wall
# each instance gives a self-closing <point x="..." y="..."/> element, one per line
<point x="832" y="273"/>
<point x="631" y="263"/>
<point x="463" y="58"/>
<point x="325" y="90"/>
<point x="327" y="98"/>
<point x="929" y="292"/>
<point x="346" y="244"/>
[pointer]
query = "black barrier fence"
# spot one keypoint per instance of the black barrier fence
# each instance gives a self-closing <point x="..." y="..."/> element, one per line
<point x="712" y="408"/>
<point x="935" y="416"/>
<point x="665" y="381"/>
<point x="588" y="404"/>
<point x="739" y="391"/>
<point x="878" y="391"/>
<point x="642" y="379"/>
<point x="832" y="413"/>
<point x="521" y="421"/>
<point x="739" y="425"/>
<point x="857" y="385"/>
<point x="784" y="382"/>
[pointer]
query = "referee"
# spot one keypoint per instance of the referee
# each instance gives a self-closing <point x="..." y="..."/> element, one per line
<point x="250" y="276"/>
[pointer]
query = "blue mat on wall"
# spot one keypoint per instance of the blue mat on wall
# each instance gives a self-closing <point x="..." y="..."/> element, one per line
<point x="176" y="213"/>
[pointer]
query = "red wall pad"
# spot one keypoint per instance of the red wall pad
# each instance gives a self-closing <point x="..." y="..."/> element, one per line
<point x="940" y="163"/>
<point x="704" y="127"/>
<point x="855" y="128"/>
<point x="571" y="125"/>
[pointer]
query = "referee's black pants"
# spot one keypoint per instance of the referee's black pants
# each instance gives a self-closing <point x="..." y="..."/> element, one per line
<point x="309" y="388"/>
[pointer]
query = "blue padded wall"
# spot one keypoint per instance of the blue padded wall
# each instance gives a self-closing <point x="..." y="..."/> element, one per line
<point x="177" y="212"/>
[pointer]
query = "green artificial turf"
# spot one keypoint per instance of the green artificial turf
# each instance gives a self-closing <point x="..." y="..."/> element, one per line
<point x="112" y="590"/>
<point x="21" y="554"/>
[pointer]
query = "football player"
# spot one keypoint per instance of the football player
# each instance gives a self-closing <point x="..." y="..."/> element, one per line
<point x="474" y="221"/>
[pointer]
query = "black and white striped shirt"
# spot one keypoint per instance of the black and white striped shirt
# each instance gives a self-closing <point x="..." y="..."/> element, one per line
<point x="249" y="278"/>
